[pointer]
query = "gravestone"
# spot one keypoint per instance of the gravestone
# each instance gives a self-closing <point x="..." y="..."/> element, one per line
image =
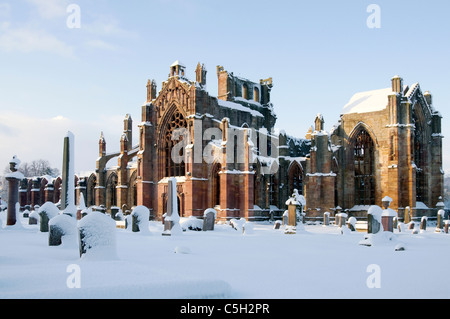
<point x="277" y="224"/>
<point x="352" y="223"/>
<point x="97" y="236"/>
<point x="407" y="217"/>
<point x="423" y="223"/>
<point x="47" y="212"/>
<point x="60" y="226"/>
<point x="388" y="215"/>
<point x="139" y="219"/>
<point x="26" y="213"/>
<point x="68" y="177"/>
<point x="32" y="219"/>
<point x="285" y="217"/>
<point x="13" y="179"/>
<point x="447" y="222"/>
<point x="114" y="212"/>
<point x="326" y="219"/>
<point x="172" y="219"/>
<point x="209" y="219"/>
<point x="440" y="220"/>
<point x="412" y="225"/>
<point x="341" y="219"/>
<point x="374" y="219"/>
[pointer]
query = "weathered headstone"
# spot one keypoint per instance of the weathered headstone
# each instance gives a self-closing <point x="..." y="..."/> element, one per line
<point x="59" y="226"/>
<point x="423" y="223"/>
<point x="33" y="218"/>
<point x="47" y="212"/>
<point x="326" y="219"/>
<point x="277" y="224"/>
<point x="13" y="179"/>
<point x="388" y="215"/>
<point x="172" y="219"/>
<point x="285" y="217"/>
<point x="341" y="219"/>
<point x="97" y="236"/>
<point x="440" y="220"/>
<point x="407" y="217"/>
<point x="114" y="212"/>
<point x="352" y="223"/>
<point x="139" y="219"/>
<point x="26" y="213"/>
<point x="374" y="219"/>
<point x="209" y="219"/>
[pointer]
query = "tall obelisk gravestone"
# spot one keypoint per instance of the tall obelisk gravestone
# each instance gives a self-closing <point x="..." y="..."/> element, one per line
<point x="171" y="221"/>
<point x="68" y="177"/>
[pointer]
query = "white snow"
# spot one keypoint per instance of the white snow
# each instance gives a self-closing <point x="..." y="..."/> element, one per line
<point x="225" y="263"/>
<point x="50" y="209"/>
<point x="370" y="101"/>
<point x="142" y="214"/>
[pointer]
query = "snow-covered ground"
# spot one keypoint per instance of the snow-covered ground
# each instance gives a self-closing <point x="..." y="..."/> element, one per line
<point x="318" y="262"/>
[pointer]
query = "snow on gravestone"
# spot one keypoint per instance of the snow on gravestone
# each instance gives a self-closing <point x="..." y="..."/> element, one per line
<point x="61" y="226"/>
<point x="139" y="219"/>
<point x="172" y="219"/>
<point x="209" y="219"/>
<point x="97" y="234"/>
<point x="47" y="212"/>
<point x="374" y="219"/>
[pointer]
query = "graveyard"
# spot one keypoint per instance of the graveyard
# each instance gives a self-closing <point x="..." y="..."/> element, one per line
<point x="79" y="252"/>
<point x="236" y="259"/>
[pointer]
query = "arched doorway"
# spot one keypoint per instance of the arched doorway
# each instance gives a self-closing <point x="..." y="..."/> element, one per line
<point x="295" y="179"/>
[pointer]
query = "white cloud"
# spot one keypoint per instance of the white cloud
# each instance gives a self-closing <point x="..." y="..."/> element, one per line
<point x="28" y="40"/>
<point x="5" y="10"/>
<point x="33" y="138"/>
<point x="49" y="9"/>
<point x="100" y="44"/>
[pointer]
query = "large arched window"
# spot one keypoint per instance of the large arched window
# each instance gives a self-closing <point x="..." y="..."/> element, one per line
<point x="216" y="184"/>
<point x="419" y="159"/>
<point x="171" y="167"/>
<point x="364" y="169"/>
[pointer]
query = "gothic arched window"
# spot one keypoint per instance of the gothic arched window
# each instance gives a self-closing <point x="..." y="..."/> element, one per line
<point x="419" y="159"/>
<point x="171" y="167"/>
<point x="364" y="169"/>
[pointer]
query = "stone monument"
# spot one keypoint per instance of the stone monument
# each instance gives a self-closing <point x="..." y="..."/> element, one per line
<point x="13" y="179"/>
<point x="68" y="177"/>
<point x="172" y="219"/>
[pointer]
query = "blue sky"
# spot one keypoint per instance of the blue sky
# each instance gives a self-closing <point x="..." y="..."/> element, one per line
<point x="319" y="53"/>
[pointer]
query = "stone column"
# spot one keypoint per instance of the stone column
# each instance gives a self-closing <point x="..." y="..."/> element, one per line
<point x="68" y="177"/>
<point x="13" y="179"/>
<point x="171" y="221"/>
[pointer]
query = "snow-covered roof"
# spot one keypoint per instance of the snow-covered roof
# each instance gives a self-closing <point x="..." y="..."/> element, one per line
<point x="177" y="62"/>
<point x="369" y="101"/>
<point x="239" y="107"/>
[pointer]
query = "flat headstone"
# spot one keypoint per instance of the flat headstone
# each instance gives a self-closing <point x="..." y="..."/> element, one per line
<point x="209" y="219"/>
